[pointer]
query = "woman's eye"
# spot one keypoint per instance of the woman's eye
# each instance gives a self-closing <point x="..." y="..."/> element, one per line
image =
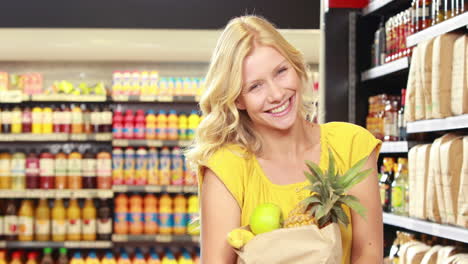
<point x="253" y="87"/>
<point x="282" y="70"/>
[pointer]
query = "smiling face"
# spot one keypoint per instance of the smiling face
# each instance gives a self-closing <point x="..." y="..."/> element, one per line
<point x="270" y="90"/>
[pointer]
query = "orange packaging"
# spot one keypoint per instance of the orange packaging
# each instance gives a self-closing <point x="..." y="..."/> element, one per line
<point x="89" y="220"/>
<point x="61" y="164"/>
<point x="77" y="126"/>
<point x="166" y="216"/>
<point x="26" y="221"/>
<point x="121" y="210"/>
<point x="104" y="170"/>
<point x="42" y="221"/>
<point x="165" y="166"/>
<point x="172" y="125"/>
<point x="75" y="160"/>
<point x="136" y="215"/>
<point x="151" y="214"/>
<point x="74" y="223"/>
<point x="153" y="166"/>
<point x="180" y="215"/>
<point x="59" y="221"/>
<point x="5" y="170"/>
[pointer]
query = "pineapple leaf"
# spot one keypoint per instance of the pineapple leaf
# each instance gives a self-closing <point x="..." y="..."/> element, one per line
<point x="315" y="169"/>
<point x="349" y="197"/>
<point x="357" y="178"/>
<point x="323" y="221"/>
<point x="320" y="213"/>
<point x="342" y="217"/>
<point x="352" y="171"/>
<point x="355" y="205"/>
<point x="331" y="166"/>
<point x="313" y="211"/>
<point x="313" y="178"/>
<point x="311" y="199"/>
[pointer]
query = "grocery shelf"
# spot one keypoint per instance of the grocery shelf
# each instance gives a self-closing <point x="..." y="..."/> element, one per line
<point x="152" y="98"/>
<point x="51" y="244"/>
<point x="155" y="188"/>
<point x="155" y="238"/>
<point x="432" y="125"/>
<point x="55" y="137"/>
<point x="385" y="69"/>
<point x="438" y="29"/>
<point x="395" y="147"/>
<point x="149" y="143"/>
<point x="66" y="98"/>
<point x="384" y="6"/>
<point x="12" y="96"/>
<point x="41" y="193"/>
<point x="444" y="231"/>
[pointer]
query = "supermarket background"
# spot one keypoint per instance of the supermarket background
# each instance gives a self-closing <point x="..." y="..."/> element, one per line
<point x="98" y="100"/>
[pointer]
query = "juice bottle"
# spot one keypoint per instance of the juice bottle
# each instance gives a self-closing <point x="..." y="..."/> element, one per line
<point x="92" y="258"/>
<point x="61" y="164"/>
<point x="136" y="215"/>
<point x="2" y="220"/>
<point x="47" y="170"/>
<point x="95" y="117"/>
<point x="153" y="166"/>
<point x="75" y="170"/>
<point x="135" y="88"/>
<point x="89" y="170"/>
<point x="104" y="221"/>
<point x="120" y="217"/>
<point x="74" y="223"/>
<point x="190" y="178"/>
<point x="32" y="258"/>
<point x="169" y="258"/>
<point x="2" y="257"/>
<point x="18" y="170"/>
<point x="42" y="221"/>
<point x="161" y="125"/>
<point x="139" y="131"/>
<point x="170" y="86"/>
<point x="89" y="220"/>
<point x="182" y="130"/>
<point x="116" y="83"/>
<point x="106" y="120"/>
<point x="154" y="258"/>
<point x="5" y="170"/>
<point x="37" y="120"/>
<point x="165" y="166"/>
<point x="57" y="119"/>
<point x="47" y="256"/>
<point x="16" y="258"/>
<point x="59" y="221"/>
<point x="151" y="214"/>
<point x="63" y="257"/>
<point x="163" y="86"/>
<point x="11" y="221"/>
<point x="187" y="83"/>
<point x="150" y="125"/>
<point x="179" y="87"/>
<point x="32" y="170"/>
<point x="193" y="214"/>
<point x="6" y="120"/>
<point x="16" y="121"/>
<point x="104" y="170"/>
<point x="129" y="166"/>
<point x="117" y="125"/>
<point x="139" y="258"/>
<point x="154" y="83"/>
<point x="47" y="120"/>
<point x="197" y="257"/>
<point x="108" y="258"/>
<point x="129" y="125"/>
<point x="141" y="166"/>
<point x="145" y="83"/>
<point x="193" y="121"/>
<point x="26" y="120"/>
<point x="77" y="120"/>
<point x="185" y="258"/>
<point x="172" y="125"/>
<point x="77" y="258"/>
<point x="177" y="170"/>
<point x="87" y="128"/>
<point x="124" y="259"/>
<point x="26" y="221"/>
<point x="180" y="215"/>
<point x="126" y="83"/>
<point x="117" y="166"/>
<point x="166" y="216"/>
<point x="67" y="120"/>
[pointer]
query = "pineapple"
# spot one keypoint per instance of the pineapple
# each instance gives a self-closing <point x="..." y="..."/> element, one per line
<point x="328" y="189"/>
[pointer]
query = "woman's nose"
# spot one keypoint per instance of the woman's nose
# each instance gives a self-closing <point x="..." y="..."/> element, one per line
<point x="275" y="93"/>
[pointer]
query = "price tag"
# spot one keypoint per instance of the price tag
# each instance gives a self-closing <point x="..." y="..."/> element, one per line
<point x="147" y="98"/>
<point x="197" y="98"/>
<point x="119" y="238"/>
<point x="79" y="137"/>
<point x="164" y="238"/>
<point x="120" y="98"/>
<point x="154" y="143"/>
<point x="62" y="194"/>
<point x="174" y="189"/>
<point x="7" y="138"/>
<point x="104" y="194"/>
<point x="196" y="239"/>
<point x="120" y="188"/>
<point x="103" y="136"/>
<point x="184" y="143"/>
<point x="153" y="188"/>
<point x="89" y="98"/>
<point x="166" y="98"/>
<point x="120" y="142"/>
<point x="190" y="189"/>
<point x="11" y="96"/>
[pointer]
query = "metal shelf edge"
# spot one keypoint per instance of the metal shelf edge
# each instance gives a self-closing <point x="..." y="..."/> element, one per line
<point x="434" y="125"/>
<point x="385" y="69"/>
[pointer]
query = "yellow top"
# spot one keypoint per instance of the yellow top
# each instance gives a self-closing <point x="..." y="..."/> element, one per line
<point x="245" y="179"/>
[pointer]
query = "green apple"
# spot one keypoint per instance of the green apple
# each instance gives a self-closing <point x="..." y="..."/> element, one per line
<point x="265" y="218"/>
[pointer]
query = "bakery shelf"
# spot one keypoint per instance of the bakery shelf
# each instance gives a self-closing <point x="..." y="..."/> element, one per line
<point x="433" y="125"/>
<point x="385" y="69"/>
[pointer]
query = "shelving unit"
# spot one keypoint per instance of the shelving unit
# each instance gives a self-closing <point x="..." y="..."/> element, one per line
<point x="378" y="7"/>
<point x="149" y="143"/>
<point x="66" y="244"/>
<point x="395" y="147"/>
<point x="156" y="99"/>
<point x="433" y="125"/>
<point x="385" y="69"/>
<point x="39" y="193"/>
<point x="155" y="238"/>
<point x="55" y="137"/>
<point x="155" y="189"/>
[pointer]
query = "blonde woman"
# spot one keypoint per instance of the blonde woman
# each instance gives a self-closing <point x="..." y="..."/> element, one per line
<point x="251" y="146"/>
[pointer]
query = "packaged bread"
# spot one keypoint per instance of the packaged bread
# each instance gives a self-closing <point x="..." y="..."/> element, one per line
<point x="431" y="256"/>
<point x="457" y="259"/>
<point x="415" y="254"/>
<point x="412" y="184"/>
<point x="423" y="79"/>
<point x="444" y="253"/>
<point x="459" y="93"/>
<point x="432" y="208"/>
<point x="404" y="250"/>
<point x="411" y="87"/>
<point x="462" y="218"/>
<point x="451" y="158"/>
<point x="422" y="165"/>
<point x="442" y="74"/>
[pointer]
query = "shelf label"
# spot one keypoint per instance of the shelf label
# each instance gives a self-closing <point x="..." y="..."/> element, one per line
<point x="196" y="239"/>
<point x="164" y="238"/>
<point x="120" y="188"/>
<point x="147" y="98"/>
<point x="120" y="238"/>
<point x="79" y="137"/>
<point x="184" y="143"/>
<point x="153" y="188"/>
<point x="120" y="98"/>
<point x="174" y="189"/>
<point x="120" y="142"/>
<point x="166" y="98"/>
<point x="190" y="189"/>
<point x="14" y="96"/>
<point x="103" y="137"/>
<point x="154" y="143"/>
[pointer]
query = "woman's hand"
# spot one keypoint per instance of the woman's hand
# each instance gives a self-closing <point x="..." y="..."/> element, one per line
<point x="220" y="213"/>
<point x="368" y="234"/>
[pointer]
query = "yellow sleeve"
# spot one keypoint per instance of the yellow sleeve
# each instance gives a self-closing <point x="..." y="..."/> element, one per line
<point x="230" y="166"/>
<point x="363" y="144"/>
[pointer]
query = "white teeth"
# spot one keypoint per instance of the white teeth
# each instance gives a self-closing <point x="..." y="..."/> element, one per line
<point x="281" y="108"/>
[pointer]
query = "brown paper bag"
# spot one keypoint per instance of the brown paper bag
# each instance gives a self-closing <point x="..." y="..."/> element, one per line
<point x="462" y="218"/>
<point x="444" y="253"/>
<point x="422" y="163"/>
<point x="306" y="244"/>
<point x="431" y="256"/>
<point x="459" y="101"/>
<point x="423" y="80"/>
<point x="411" y="87"/>
<point x="457" y="259"/>
<point x="412" y="184"/>
<point x="404" y="250"/>
<point x="415" y="254"/>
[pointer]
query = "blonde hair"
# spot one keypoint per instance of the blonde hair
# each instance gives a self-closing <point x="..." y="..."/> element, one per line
<point x="222" y="122"/>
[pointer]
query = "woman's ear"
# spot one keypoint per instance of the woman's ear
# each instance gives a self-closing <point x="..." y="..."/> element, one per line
<point x="240" y="104"/>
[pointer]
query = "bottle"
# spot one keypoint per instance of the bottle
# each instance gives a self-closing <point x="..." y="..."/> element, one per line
<point x="117" y="125"/>
<point x="104" y="170"/>
<point x="95" y="118"/>
<point x="2" y="220"/>
<point x="129" y="126"/>
<point x="11" y="221"/>
<point x="6" y="120"/>
<point x="18" y="170"/>
<point x="166" y="216"/>
<point x="386" y="183"/>
<point x="77" y="120"/>
<point x="139" y="258"/>
<point x="145" y="84"/>
<point x="89" y="220"/>
<point x="400" y="189"/>
<point x="153" y="166"/>
<point x="47" y="120"/>
<point x="185" y="258"/>
<point x="154" y="258"/>
<point x="32" y="258"/>
<point x="32" y="170"/>
<point x="16" y="258"/>
<point x="180" y="215"/>
<point x="77" y="258"/>
<point x="25" y="221"/>
<point x="47" y="257"/>
<point x="136" y="215"/>
<point x="16" y="121"/>
<point x="61" y="164"/>
<point x="141" y="166"/>
<point x="172" y="125"/>
<point x="165" y="166"/>
<point x="92" y="258"/>
<point x="47" y="173"/>
<point x="183" y="124"/>
<point x="163" y="86"/>
<point x="117" y="166"/>
<point x="121" y="211"/>
<point x="151" y="214"/>
<point x="42" y="221"/>
<point x="67" y="120"/>
<point x="37" y="120"/>
<point x="150" y="125"/>
<point x="74" y="223"/>
<point x="161" y="128"/>
<point x="5" y="170"/>
<point x="190" y="178"/>
<point x="108" y="258"/>
<point x="178" y="87"/>
<point x="57" y="118"/>
<point x="154" y="83"/>
<point x="139" y="130"/>
<point x="124" y="259"/>
<point x="87" y="128"/>
<point x="74" y="169"/>
<point x="169" y="258"/>
<point x="63" y="257"/>
<point x="104" y="221"/>
<point x="401" y="117"/>
<point x="129" y="166"/>
<point x="89" y="170"/>
<point x="27" y="120"/>
<point x="193" y="228"/>
<point x="2" y="257"/>
<point x="193" y="121"/>
<point x="106" y="120"/>
<point x="59" y="221"/>
<point x="177" y="170"/>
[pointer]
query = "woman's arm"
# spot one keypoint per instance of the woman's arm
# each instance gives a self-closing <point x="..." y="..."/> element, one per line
<point x="220" y="213"/>
<point x="368" y="234"/>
